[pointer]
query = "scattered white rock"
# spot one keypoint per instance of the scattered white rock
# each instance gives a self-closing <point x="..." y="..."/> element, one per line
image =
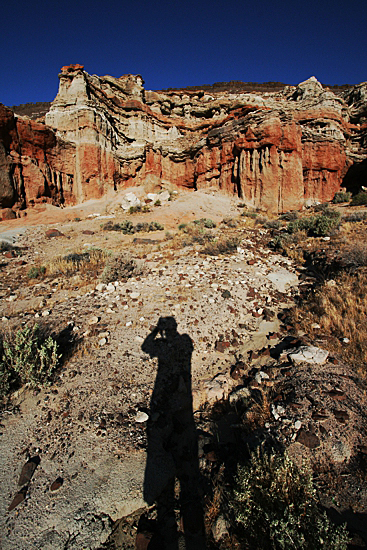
<point x="11" y="298"/>
<point x="102" y="341"/>
<point x="141" y="417"/>
<point x="134" y="295"/>
<point x="298" y="425"/>
<point x="101" y="287"/>
<point x="128" y="324"/>
<point x="93" y="320"/>
<point x="46" y="313"/>
<point x="309" y="354"/>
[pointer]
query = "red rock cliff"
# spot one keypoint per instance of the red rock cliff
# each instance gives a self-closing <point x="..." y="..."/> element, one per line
<point x="275" y="151"/>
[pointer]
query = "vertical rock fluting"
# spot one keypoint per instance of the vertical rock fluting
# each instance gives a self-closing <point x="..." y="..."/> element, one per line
<point x="277" y="151"/>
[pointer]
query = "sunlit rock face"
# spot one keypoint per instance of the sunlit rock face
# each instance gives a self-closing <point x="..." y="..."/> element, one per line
<point x="276" y="151"/>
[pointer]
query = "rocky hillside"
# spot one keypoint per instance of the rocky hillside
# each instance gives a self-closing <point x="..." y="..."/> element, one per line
<point x="277" y="150"/>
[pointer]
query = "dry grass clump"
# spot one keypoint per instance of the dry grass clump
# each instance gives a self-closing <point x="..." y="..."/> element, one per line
<point x="87" y="262"/>
<point x="340" y="308"/>
<point x="224" y="245"/>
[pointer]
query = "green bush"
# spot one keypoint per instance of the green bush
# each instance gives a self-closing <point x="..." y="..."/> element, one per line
<point x="28" y="357"/>
<point x="289" y="216"/>
<point x="316" y="226"/>
<point x="249" y="214"/>
<point x="35" y="272"/>
<point x="134" y="209"/>
<point x="230" y="222"/>
<point x="157" y="203"/>
<point x="275" y="506"/>
<point x="359" y="199"/>
<point x="341" y="196"/>
<point x="205" y="222"/>
<point x="273" y="224"/>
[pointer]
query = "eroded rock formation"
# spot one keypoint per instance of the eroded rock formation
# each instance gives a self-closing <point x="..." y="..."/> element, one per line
<point x="276" y="150"/>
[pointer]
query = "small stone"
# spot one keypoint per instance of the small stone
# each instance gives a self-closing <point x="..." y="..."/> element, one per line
<point x="308" y="439"/>
<point x="141" y="417"/>
<point x="93" y="320"/>
<point x="101" y="287"/>
<point x="55" y="486"/>
<point x="345" y="340"/>
<point x="221" y="346"/>
<point x="226" y="294"/>
<point x="50" y="233"/>
<point x="128" y="324"/>
<point x="46" y="313"/>
<point x="11" y="298"/>
<point x="134" y="295"/>
<point x="298" y="425"/>
<point x="28" y="470"/>
<point x="19" y="497"/>
<point x="102" y="341"/>
<point x="341" y="416"/>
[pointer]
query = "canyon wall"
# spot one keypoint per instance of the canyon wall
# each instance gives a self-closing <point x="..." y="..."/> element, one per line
<point x="276" y="151"/>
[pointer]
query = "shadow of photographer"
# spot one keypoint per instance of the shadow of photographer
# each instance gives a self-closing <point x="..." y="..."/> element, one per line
<point x="172" y="440"/>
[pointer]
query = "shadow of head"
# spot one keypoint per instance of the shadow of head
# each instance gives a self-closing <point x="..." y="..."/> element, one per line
<point x="167" y="327"/>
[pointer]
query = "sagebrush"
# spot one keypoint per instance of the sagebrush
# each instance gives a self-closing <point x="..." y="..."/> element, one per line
<point x="30" y="356"/>
<point x="275" y="506"/>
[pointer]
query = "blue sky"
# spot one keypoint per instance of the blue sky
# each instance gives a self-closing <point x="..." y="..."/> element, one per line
<point x="173" y="44"/>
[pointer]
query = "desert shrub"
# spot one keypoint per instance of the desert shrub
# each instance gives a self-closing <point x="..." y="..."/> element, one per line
<point x="134" y="209"/>
<point x="321" y="207"/>
<point x="289" y="216"/>
<point x="354" y="256"/>
<point x="145" y="208"/>
<point x="5" y="246"/>
<point x="155" y="226"/>
<point x="273" y="224"/>
<point x="127" y="228"/>
<point x="316" y="226"/>
<point x="359" y="199"/>
<point x="341" y="196"/>
<point x="35" y="272"/>
<point x="205" y="222"/>
<point x="120" y="267"/>
<point x="222" y="246"/>
<point x="274" y="504"/>
<point x="261" y="220"/>
<point x="325" y="224"/>
<point x="230" y="222"/>
<point x="157" y="203"/>
<point x="182" y="226"/>
<point x="28" y="357"/>
<point x="355" y="217"/>
<point x="249" y="214"/>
